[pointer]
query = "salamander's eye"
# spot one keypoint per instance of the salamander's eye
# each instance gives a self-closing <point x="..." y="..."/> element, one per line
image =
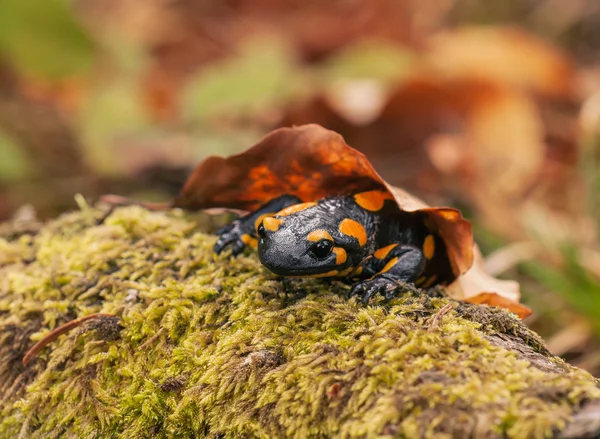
<point x="321" y="249"/>
<point x="261" y="230"/>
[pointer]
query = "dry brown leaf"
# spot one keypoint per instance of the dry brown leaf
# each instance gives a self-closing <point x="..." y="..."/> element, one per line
<point x="477" y="286"/>
<point x="495" y="299"/>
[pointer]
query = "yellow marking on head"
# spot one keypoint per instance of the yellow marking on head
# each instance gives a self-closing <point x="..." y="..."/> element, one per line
<point x="372" y="200"/>
<point x="384" y="251"/>
<point x="327" y="274"/>
<point x="430" y="281"/>
<point x="272" y="224"/>
<point x="352" y="228"/>
<point x="340" y="255"/>
<point x="429" y="247"/>
<point x="260" y="220"/>
<point x="317" y="235"/>
<point x="250" y="241"/>
<point x="389" y="265"/>
<point x="420" y="280"/>
<point x="295" y="208"/>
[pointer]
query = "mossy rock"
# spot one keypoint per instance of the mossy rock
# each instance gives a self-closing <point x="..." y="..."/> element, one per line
<point x="206" y="346"/>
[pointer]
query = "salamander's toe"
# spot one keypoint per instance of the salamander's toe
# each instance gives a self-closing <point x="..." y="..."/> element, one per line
<point x="356" y="290"/>
<point x="237" y="247"/>
<point x="226" y="228"/>
<point x="389" y="295"/>
<point x="220" y="245"/>
<point x="230" y="235"/>
<point x="370" y="287"/>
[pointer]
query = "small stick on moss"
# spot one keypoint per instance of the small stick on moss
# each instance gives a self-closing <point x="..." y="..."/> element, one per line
<point x="150" y="340"/>
<point x="53" y="335"/>
<point x="118" y="200"/>
<point x="105" y="215"/>
<point x="435" y="320"/>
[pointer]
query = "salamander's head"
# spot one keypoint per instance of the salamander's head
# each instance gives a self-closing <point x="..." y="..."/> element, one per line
<point x="304" y="240"/>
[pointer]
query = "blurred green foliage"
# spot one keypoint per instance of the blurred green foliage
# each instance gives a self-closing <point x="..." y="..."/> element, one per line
<point x="43" y="38"/>
<point x="575" y="285"/>
<point x="369" y="59"/>
<point x="112" y="111"/>
<point x="13" y="165"/>
<point x="263" y="74"/>
<point x="590" y="167"/>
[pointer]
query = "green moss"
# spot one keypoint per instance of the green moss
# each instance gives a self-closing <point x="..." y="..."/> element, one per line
<point x="221" y="348"/>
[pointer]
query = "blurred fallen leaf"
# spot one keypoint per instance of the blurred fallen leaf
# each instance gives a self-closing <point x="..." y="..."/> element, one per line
<point x="569" y="338"/>
<point x="495" y="299"/>
<point x="359" y="101"/>
<point x="504" y="55"/>
<point x="477" y="286"/>
<point x="471" y="139"/>
<point x="589" y="116"/>
<point x="510" y="256"/>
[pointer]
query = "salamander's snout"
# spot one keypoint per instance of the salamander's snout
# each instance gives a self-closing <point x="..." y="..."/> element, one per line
<point x="278" y="246"/>
<point x="285" y="247"/>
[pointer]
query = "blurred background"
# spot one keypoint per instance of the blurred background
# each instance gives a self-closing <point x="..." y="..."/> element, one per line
<point x="493" y="107"/>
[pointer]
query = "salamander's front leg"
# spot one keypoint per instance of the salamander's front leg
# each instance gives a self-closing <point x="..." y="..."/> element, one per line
<point x="395" y="264"/>
<point x="242" y="232"/>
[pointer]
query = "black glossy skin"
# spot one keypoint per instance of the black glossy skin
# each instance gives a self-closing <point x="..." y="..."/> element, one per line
<point x="274" y="247"/>
<point x="287" y="250"/>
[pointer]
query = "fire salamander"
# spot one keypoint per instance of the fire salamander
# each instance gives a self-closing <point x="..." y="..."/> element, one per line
<point x="363" y="237"/>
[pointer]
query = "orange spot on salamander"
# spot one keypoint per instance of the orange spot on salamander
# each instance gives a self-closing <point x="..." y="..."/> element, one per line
<point x="384" y="251"/>
<point x="429" y="247"/>
<point x="389" y="265"/>
<point x="317" y="235"/>
<point x="295" y="208"/>
<point x="326" y="274"/>
<point x="272" y="224"/>
<point x="250" y="241"/>
<point x="260" y="220"/>
<point x="340" y="255"/>
<point x="352" y="228"/>
<point x="372" y="200"/>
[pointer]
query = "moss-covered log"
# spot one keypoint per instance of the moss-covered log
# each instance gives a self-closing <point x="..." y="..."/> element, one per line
<point x="206" y="347"/>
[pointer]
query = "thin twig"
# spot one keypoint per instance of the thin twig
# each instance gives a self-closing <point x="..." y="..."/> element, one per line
<point x="53" y="335"/>
<point x="118" y="200"/>
<point x="435" y="320"/>
<point x="150" y="340"/>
